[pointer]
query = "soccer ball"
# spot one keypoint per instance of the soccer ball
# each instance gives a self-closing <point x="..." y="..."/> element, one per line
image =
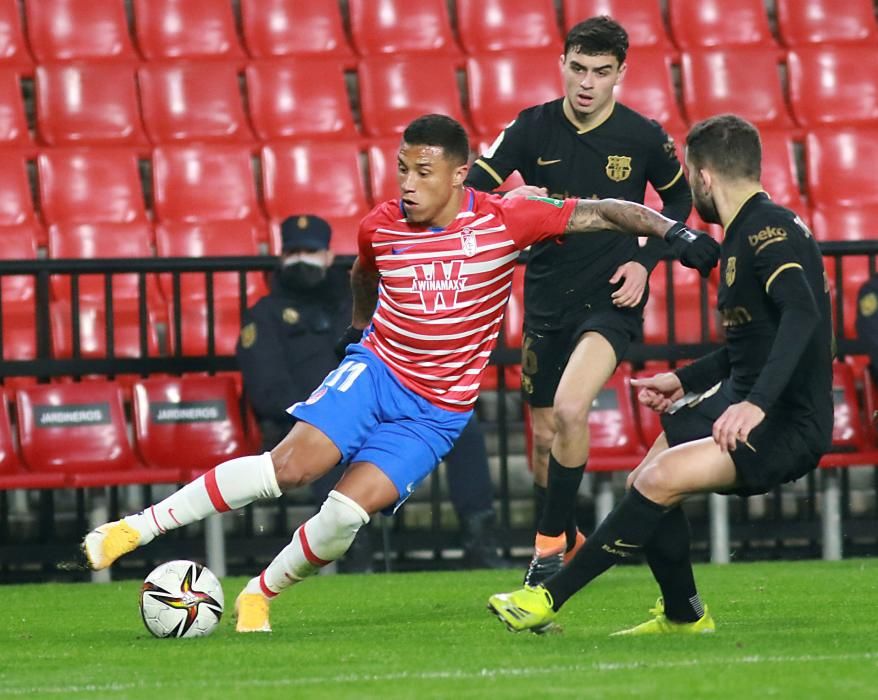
<point x="181" y="599"/>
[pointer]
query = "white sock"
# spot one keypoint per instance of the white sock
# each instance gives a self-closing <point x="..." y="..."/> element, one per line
<point x="319" y="541"/>
<point x="232" y="484"/>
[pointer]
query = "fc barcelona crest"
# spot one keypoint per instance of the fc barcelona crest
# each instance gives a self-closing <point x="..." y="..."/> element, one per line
<point x="731" y="268"/>
<point x="468" y="242"/>
<point x="618" y="168"/>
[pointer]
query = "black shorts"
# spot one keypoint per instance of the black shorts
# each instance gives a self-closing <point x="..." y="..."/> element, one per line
<point x="778" y="451"/>
<point x="545" y="353"/>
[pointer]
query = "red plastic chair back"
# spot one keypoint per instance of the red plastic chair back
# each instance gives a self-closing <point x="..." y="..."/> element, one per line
<point x="186" y="29"/>
<point x="190" y="422"/>
<point x="74" y="428"/>
<point x="88" y="104"/>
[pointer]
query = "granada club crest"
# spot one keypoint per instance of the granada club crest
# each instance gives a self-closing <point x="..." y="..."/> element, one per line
<point x="438" y="284"/>
<point x="731" y="269"/>
<point x="618" y="168"/>
<point x="468" y="242"/>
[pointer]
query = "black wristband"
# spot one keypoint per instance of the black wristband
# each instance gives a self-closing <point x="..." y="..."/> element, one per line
<point x="350" y="335"/>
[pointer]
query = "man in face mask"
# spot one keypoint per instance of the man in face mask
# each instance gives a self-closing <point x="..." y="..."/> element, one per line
<point x="286" y="344"/>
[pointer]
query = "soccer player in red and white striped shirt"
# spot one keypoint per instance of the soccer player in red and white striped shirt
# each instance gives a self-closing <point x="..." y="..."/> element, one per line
<point x="430" y="284"/>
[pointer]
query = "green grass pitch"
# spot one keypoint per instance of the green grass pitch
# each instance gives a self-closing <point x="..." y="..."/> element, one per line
<point x="784" y="630"/>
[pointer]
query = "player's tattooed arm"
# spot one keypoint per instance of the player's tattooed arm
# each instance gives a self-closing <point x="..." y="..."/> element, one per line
<point x="693" y="248"/>
<point x="617" y="215"/>
<point x="364" y="286"/>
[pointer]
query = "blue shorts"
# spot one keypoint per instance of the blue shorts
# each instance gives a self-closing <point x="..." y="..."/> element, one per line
<point x="371" y="417"/>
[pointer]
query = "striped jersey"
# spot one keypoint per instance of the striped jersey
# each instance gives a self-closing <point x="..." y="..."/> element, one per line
<point x="442" y="291"/>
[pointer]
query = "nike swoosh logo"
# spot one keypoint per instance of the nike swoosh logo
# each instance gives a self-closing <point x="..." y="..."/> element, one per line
<point x="620" y="543"/>
<point x="397" y="251"/>
<point x="540" y="161"/>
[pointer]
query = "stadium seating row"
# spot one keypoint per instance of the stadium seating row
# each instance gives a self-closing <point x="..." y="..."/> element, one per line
<point x="217" y="182"/>
<point x="75" y="434"/>
<point x="65" y="30"/>
<point x="307" y="98"/>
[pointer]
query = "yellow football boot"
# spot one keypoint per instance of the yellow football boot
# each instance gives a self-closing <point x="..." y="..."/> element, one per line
<point x="105" y="544"/>
<point x="529" y="608"/>
<point x="660" y="624"/>
<point x="251" y="610"/>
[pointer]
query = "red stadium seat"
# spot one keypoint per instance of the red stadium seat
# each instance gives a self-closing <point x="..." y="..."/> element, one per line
<point x="689" y="325"/>
<point x="198" y="101"/>
<point x="719" y="23"/>
<point x="104" y="240"/>
<point x="13" y="474"/>
<point x="394" y="90"/>
<point x="401" y="26"/>
<point x="648" y="88"/>
<point x="826" y="22"/>
<point x="16" y="205"/>
<point x="299" y="98"/>
<point x="851" y="223"/>
<point x="204" y="183"/>
<point x="19" y="304"/>
<point x="186" y="29"/>
<point x="292" y="28"/>
<point x="501" y="84"/>
<point x="711" y="85"/>
<point x="9" y="460"/>
<point x="88" y="104"/>
<point x="191" y="423"/>
<point x="642" y="19"/>
<point x="90" y="185"/>
<point x="208" y="239"/>
<point x="779" y="177"/>
<point x="13" y="122"/>
<point x="78" y="30"/>
<point x="850" y="433"/>
<point x="498" y="25"/>
<point x="834" y="84"/>
<point x="318" y="178"/>
<point x="13" y="48"/>
<point x="840" y="165"/>
<point x="74" y="428"/>
<point x="615" y="442"/>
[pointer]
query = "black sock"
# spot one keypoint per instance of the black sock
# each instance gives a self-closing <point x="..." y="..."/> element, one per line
<point x="571" y="529"/>
<point x="668" y="556"/>
<point x="539" y="504"/>
<point x="622" y="534"/>
<point x="561" y="493"/>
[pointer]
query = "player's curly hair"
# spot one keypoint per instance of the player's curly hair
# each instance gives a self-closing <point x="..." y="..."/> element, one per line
<point x="597" y="36"/>
<point x="439" y="130"/>
<point x="728" y="144"/>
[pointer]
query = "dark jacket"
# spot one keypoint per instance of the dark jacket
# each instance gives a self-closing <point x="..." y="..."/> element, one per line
<point x="286" y="347"/>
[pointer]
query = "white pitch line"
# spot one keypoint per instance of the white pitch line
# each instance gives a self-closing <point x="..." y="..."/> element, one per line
<point x="598" y="666"/>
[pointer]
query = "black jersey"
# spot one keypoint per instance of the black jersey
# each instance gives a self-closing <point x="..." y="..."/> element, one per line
<point x="762" y="242"/>
<point x="615" y="158"/>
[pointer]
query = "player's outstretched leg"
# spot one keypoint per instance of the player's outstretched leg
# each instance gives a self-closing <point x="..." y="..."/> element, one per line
<point x="232" y="484"/>
<point x="660" y="624"/>
<point x="318" y="542"/>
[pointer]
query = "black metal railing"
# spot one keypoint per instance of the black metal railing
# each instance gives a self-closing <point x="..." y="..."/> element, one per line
<point x="171" y="359"/>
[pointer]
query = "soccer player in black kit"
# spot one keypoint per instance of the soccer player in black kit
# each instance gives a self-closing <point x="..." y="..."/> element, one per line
<point x="583" y="298"/>
<point x="752" y="415"/>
